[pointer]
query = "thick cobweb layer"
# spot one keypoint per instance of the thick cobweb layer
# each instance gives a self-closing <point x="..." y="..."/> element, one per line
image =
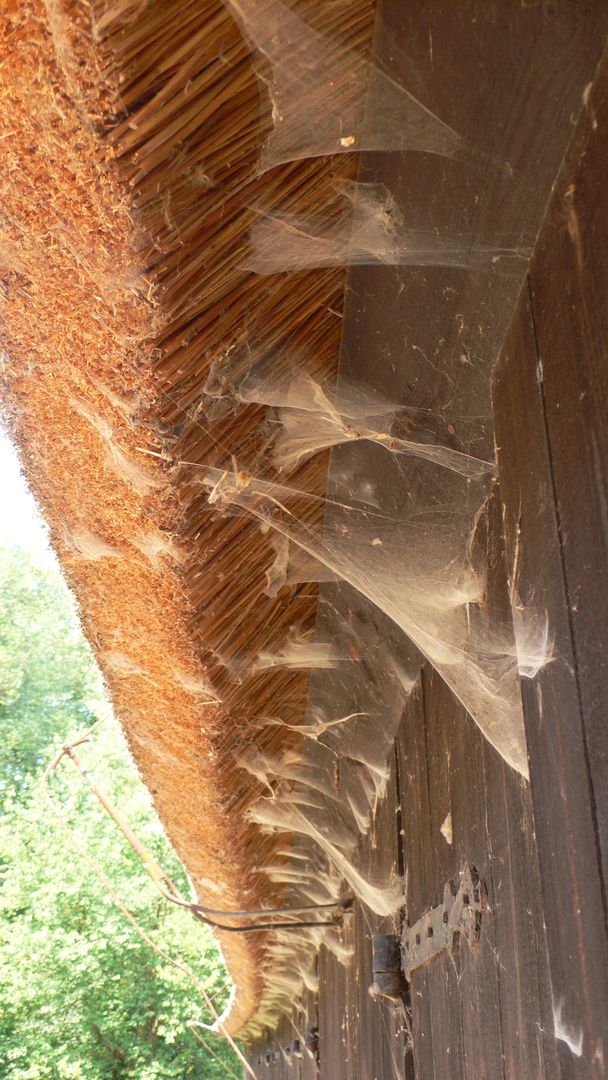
<point x="325" y="98"/>
<point x="414" y="566"/>
<point x="410" y="560"/>
<point x="312" y="418"/>
<point x="371" y="228"/>
<point x="447" y="228"/>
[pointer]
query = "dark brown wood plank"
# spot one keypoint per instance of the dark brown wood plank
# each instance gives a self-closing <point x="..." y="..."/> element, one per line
<point x="569" y="284"/>
<point x="436" y="1027"/>
<point x="516" y="910"/>
<point x="286" y="1066"/>
<point x="498" y="1001"/>
<point x="458" y="787"/>
<point x="380" y="1044"/>
<point x="308" y="1021"/>
<point x="334" y="1035"/>
<point x="500" y="974"/>
<point x="411" y="754"/>
<point x="515" y="929"/>
<point x="509" y="79"/>
<point x="563" y="805"/>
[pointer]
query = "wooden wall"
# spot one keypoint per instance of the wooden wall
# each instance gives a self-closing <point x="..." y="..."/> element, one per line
<point x="487" y="1014"/>
<point x="530" y="1000"/>
<point x="551" y="409"/>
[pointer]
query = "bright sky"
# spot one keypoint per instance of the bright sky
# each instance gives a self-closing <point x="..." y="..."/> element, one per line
<point x="19" y="521"/>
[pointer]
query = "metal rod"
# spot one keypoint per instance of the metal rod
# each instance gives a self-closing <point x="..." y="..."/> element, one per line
<point x="163" y="882"/>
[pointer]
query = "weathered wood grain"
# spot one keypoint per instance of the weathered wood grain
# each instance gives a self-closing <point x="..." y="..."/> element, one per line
<point x="420" y="335"/>
<point x="436" y="1028"/>
<point x="335" y="1036"/>
<point x="460" y="786"/>
<point x="380" y="1046"/>
<point x="487" y="1012"/>
<point x="308" y="1020"/>
<point x="549" y="395"/>
<point x="569" y="288"/>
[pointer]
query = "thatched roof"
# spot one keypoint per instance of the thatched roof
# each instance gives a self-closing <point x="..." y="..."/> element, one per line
<point x="130" y="139"/>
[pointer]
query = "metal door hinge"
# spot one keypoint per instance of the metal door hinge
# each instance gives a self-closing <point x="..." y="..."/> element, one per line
<point x="386" y="967"/>
<point x="464" y="902"/>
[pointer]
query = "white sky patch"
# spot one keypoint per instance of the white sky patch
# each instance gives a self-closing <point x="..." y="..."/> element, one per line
<point x="20" y="523"/>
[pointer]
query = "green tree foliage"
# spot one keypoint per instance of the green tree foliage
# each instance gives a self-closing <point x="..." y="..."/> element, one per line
<point x="81" y="995"/>
<point x="47" y="678"/>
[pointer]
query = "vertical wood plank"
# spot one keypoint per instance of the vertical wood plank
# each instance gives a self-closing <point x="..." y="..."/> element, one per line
<point x="436" y="1028"/>
<point x="569" y="286"/>
<point x="492" y="1016"/>
<point x="380" y="1046"/>
<point x="334" y="1034"/>
<point x="411" y="754"/>
<point x="308" y="1020"/>
<point x="516" y="907"/>
<point x="563" y="806"/>
<point x="459" y="787"/>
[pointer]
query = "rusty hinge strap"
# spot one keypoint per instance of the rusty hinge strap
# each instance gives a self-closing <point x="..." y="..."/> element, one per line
<point x="463" y="904"/>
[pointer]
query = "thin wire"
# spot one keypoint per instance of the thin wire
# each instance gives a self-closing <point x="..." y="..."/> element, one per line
<point x="191" y="1024"/>
<point x="268" y="911"/>
<point x="263" y="926"/>
<point x="161" y="879"/>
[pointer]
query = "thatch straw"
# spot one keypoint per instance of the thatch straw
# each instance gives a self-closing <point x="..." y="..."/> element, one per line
<point x="131" y="141"/>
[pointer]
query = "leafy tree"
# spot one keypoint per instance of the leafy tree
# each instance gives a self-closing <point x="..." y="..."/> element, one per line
<point x="47" y="677"/>
<point x="81" y="995"/>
